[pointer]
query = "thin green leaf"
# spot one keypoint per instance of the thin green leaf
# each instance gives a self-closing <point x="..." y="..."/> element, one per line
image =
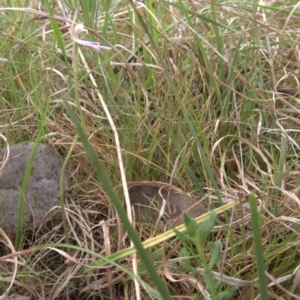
<point x="184" y="237"/>
<point x="191" y="225"/>
<point x="215" y="257"/>
<point x="258" y="248"/>
<point x="207" y="226"/>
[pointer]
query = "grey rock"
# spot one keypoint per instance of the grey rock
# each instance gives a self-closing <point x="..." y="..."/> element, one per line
<point x="42" y="189"/>
<point x="147" y="201"/>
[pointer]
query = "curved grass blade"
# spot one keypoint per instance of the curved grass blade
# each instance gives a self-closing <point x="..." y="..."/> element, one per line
<point x="118" y="205"/>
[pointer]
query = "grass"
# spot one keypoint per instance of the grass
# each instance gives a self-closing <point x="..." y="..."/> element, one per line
<point x="194" y="90"/>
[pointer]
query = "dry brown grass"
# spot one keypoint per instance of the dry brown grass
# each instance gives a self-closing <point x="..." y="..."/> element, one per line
<point x="242" y="142"/>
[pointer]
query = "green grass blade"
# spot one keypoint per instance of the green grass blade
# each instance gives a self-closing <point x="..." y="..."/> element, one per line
<point x="189" y="122"/>
<point x="57" y="32"/>
<point x="19" y="229"/>
<point x="258" y="248"/>
<point x="159" y="238"/>
<point x="118" y="205"/>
